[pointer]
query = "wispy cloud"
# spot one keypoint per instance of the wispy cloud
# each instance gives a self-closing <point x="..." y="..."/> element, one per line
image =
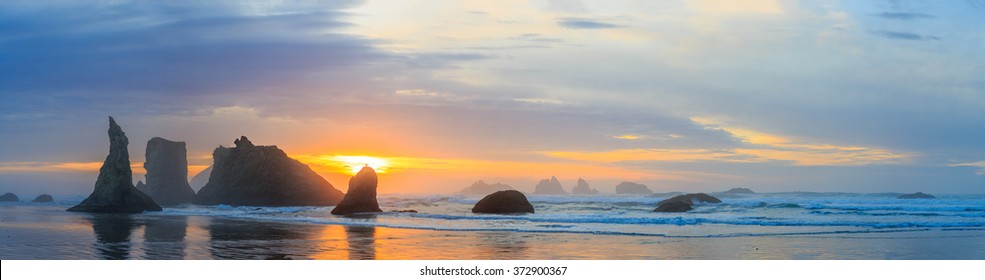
<point x="904" y="36"/>
<point x="761" y="148"/>
<point x="627" y="137"/>
<point x="904" y="16"/>
<point x="979" y="164"/>
<point x="578" y="23"/>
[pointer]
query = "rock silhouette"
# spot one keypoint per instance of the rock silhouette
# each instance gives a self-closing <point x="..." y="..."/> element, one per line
<point x="43" y="198"/>
<point x="739" y="191"/>
<point x="249" y="175"/>
<point x="167" y="172"/>
<point x="361" y="197"/>
<point x="582" y="188"/>
<point x="114" y="191"/>
<point x="503" y="202"/>
<point x="684" y="203"/>
<point x="9" y="197"/>
<point x="552" y="186"/>
<point x="632" y="188"/>
<point x="201" y="178"/>
<point x="917" y="195"/>
<point x="481" y="187"/>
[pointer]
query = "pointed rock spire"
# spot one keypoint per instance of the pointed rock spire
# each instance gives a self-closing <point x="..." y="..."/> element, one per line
<point x="114" y="191"/>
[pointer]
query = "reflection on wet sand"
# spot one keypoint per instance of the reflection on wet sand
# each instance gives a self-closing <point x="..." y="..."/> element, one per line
<point x="112" y="235"/>
<point x="361" y="241"/>
<point x="502" y="245"/>
<point x="237" y="239"/>
<point x="164" y="237"/>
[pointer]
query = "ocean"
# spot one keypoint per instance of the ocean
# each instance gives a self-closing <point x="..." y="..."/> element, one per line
<point x="793" y="225"/>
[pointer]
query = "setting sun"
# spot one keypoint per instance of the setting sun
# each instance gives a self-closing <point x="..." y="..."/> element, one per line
<point x="354" y="163"/>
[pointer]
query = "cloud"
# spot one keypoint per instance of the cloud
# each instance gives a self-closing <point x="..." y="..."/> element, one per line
<point x="627" y="137"/>
<point x="536" y="38"/>
<point x="904" y="16"/>
<point x="980" y="165"/>
<point x="904" y="36"/>
<point x="761" y="148"/>
<point x="578" y="23"/>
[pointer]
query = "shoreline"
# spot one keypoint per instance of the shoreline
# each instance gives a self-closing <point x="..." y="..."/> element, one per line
<point x="50" y="233"/>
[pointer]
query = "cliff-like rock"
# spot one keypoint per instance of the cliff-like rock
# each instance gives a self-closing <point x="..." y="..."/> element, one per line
<point x="361" y="196"/>
<point x="263" y="176"/>
<point x="503" y="202"/>
<point x="632" y="188"/>
<point x="482" y="188"/>
<point x="552" y="186"/>
<point x="582" y="188"/>
<point x="114" y="191"/>
<point x="167" y="172"/>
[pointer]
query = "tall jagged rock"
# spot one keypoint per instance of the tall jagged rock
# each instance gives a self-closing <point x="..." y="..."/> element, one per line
<point x="482" y="187"/>
<point x="582" y="188"/>
<point x="361" y="196"/>
<point x="263" y="176"/>
<point x="632" y="188"/>
<point x="114" y="191"/>
<point x="552" y="186"/>
<point x="167" y="172"/>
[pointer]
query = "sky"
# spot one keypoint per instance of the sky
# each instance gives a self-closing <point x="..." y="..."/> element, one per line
<point x="686" y="95"/>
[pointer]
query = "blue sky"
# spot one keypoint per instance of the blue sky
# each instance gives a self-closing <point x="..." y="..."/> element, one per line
<point x="863" y="96"/>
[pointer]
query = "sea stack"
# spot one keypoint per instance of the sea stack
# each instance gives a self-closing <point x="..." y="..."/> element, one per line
<point x="114" y="191"/>
<point x="632" y="188"/>
<point x="552" y="186"/>
<point x="739" y="191"/>
<point x="684" y="203"/>
<point x="917" y="195"/>
<point x="44" y="198"/>
<point x="9" y="197"/>
<point x="582" y="188"/>
<point x="503" y="202"/>
<point x="481" y="187"/>
<point x="167" y="172"/>
<point x="201" y="178"/>
<point x="249" y="175"/>
<point x="361" y="197"/>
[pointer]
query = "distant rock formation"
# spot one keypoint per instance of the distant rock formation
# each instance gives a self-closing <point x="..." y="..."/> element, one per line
<point x="263" y="176"/>
<point x="361" y="197"/>
<point x="44" y="198"/>
<point x="201" y="178"/>
<point x="917" y="195"/>
<point x="582" y="188"/>
<point x="739" y="191"/>
<point x="503" y="202"/>
<point x="684" y="203"/>
<point x="632" y="188"/>
<point x="114" y="191"/>
<point x="140" y="185"/>
<point x="167" y="172"/>
<point x="552" y="186"/>
<point x="481" y="187"/>
<point x="9" y="197"/>
<point x="665" y="194"/>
